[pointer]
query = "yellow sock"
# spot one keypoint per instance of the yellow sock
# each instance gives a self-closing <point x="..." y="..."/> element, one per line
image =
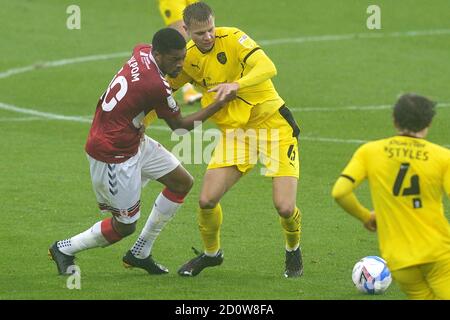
<point x="209" y="222"/>
<point x="292" y="227"/>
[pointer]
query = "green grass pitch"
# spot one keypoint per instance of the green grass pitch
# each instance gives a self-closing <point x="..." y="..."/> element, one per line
<point x="45" y="188"/>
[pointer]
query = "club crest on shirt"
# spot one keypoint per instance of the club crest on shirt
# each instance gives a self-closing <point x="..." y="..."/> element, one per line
<point x="123" y="213"/>
<point x="221" y="57"/>
<point x="172" y="104"/>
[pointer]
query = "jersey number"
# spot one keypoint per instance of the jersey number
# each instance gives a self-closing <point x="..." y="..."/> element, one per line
<point x="110" y="102"/>
<point x="413" y="189"/>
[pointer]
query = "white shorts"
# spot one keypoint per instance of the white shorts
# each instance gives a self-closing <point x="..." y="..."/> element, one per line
<point x="117" y="186"/>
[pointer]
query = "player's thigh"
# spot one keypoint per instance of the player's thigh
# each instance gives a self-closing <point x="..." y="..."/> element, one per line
<point x="117" y="187"/>
<point x="412" y="282"/>
<point x="172" y="10"/>
<point x="178" y="180"/>
<point x="155" y="161"/>
<point x="439" y="279"/>
<point x="284" y="192"/>
<point x="234" y="149"/>
<point x="216" y="182"/>
<point x="278" y="148"/>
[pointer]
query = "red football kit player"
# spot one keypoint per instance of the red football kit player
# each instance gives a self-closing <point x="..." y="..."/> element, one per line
<point x="123" y="159"/>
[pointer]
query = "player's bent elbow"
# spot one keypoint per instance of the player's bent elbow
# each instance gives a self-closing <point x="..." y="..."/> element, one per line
<point x="337" y="193"/>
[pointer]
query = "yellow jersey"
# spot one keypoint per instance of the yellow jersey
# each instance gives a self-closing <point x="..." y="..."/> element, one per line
<point x="407" y="177"/>
<point x="227" y="62"/>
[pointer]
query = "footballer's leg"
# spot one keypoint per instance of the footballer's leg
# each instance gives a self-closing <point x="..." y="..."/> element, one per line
<point x="284" y="168"/>
<point x="117" y="189"/>
<point x="438" y="277"/>
<point x="284" y="199"/>
<point x="413" y="283"/>
<point x="101" y="234"/>
<point x="216" y="183"/>
<point x="158" y="164"/>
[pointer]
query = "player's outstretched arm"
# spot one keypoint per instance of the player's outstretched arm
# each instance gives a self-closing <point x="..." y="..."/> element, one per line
<point x="188" y="122"/>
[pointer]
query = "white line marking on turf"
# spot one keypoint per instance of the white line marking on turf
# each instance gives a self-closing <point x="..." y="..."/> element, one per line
<point x="357" y="108"/>
<point x="63" y="62"/>
<point x="351" y="36"/>
<point x="46" y="115"/>
<point x="85" y="119"/>
<point x="15" y="119"/>
<point x="320" y="38"/>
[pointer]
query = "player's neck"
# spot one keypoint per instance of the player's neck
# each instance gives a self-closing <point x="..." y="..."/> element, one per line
<point x="420" y="135"/>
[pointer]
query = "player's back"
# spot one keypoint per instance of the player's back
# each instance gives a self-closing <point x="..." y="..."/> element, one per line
<point x="135" y="90"/>
<point x="407" y="178"/>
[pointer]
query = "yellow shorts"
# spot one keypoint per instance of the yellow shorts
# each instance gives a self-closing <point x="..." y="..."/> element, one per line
<point x="273" y="143"/>
<point x="172" y="10"/>
<point x="426" y="281"/>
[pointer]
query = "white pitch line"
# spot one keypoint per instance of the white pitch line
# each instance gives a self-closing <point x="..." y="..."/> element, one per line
<point x="54" y="116"/>
<point x="357" y="108"/>
<point x="321" y="38"/>
<point x="46" y="115"/>
<point x="84" y="119"/>
<point x="333" y="140"/>
<point x="16" y="119"/>
<point x="63" y="62"/>
<point x="352" y="36"/>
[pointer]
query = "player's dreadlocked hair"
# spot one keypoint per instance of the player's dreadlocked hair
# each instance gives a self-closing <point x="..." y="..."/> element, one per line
<point x="198" y="11"/>
<point x="168" y="39"/>
<point x="414" y="112"/>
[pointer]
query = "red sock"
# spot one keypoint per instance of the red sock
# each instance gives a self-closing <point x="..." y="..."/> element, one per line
<point x="108" y="231"/>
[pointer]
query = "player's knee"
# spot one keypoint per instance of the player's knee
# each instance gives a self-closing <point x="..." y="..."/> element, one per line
<point x="206" y="202"/>
<point x="285" y="210"/>
<point x="125" y="229"/>
<point x="184" y="185"/>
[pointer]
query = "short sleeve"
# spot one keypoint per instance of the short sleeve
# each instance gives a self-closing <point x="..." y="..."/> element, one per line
<point x="356" y="170"/>
<point x="166" y="106"/>
<point x="245" y="45"/>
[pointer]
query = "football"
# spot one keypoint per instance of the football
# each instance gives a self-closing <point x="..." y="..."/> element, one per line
<point x="371" y="275"/>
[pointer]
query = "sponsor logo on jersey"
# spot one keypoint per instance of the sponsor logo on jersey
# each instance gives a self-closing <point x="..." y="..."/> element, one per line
<point x="245" y="41"/>
<point x="145" y="59"/>
<point x="123" y="212"/>
<point x="221" y="57"/>
<point x="172" y="104"/>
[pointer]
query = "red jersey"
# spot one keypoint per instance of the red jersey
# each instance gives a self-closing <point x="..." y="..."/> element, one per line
<point x="135" y="90"/>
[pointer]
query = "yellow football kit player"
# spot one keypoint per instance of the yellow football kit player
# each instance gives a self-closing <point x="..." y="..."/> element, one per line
<point x="255" y="126"/>
<point x="172" y="10"/>
<point x="408" y="177"/>
<point x="258" y="111"/>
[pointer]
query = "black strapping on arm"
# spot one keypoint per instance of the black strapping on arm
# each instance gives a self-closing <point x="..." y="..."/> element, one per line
<point x="250" y="53"/>
<point x="348" y="177"/>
